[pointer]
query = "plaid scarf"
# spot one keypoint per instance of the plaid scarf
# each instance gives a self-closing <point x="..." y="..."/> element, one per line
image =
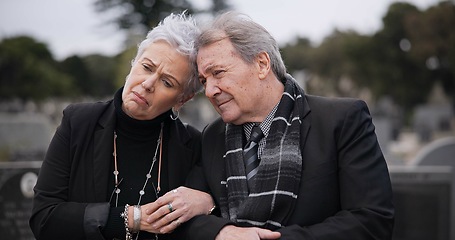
<point x="271" y="199"/>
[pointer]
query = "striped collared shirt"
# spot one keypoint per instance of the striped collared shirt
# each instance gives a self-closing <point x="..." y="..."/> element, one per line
<point x="265" y="127"/>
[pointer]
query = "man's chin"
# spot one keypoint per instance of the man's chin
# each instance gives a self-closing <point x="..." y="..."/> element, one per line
<point x="231" y="119"/>
<point x="226" y="118"/>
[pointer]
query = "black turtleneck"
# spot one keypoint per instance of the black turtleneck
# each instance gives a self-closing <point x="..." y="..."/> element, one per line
<point x="136" y="145"/>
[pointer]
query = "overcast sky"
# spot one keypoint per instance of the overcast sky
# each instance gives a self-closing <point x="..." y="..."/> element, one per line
<point x="73" y="27"/>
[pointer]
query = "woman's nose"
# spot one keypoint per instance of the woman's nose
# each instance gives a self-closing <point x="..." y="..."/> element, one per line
<point x="148" y="84"/>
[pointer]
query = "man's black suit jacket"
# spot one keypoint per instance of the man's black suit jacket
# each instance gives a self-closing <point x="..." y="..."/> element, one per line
<point x="345" y="190"/>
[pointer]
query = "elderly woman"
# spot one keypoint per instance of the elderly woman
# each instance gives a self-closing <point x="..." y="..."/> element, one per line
<point x="109" y="160"/>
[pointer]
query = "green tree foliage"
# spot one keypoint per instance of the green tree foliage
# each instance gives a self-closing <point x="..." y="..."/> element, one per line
<point x="75" y="67"/>
<point x="147" y="13"/>
<point x="297" y="55"/>
<point x="403" y="60"/>
<point x="409" y="54"/>
<point x="94" y="75"/>
<point x="123" y="66"/>
<point x="219" y="6"/>
<point x="432" y="36"/>
<point x="102" y="71"/>
<point x="141" y="12"/>
<point x="331" y="59"/>
<point x="385" y="64"/>
<point x="29" y="72"/>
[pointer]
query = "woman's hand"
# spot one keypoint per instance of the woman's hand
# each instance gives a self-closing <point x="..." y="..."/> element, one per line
<point x="176" y="207"/>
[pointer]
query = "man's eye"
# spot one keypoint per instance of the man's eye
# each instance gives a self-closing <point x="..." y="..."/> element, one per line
<point x="218" y="72"/>
<point x="202" y="81"/>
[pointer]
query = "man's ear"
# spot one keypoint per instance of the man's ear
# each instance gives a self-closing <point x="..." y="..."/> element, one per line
<point x="182" y="101"/>
<point x="263" y="64"/>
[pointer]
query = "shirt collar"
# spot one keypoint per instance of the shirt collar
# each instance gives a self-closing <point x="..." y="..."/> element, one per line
<point x="264" y="125"/>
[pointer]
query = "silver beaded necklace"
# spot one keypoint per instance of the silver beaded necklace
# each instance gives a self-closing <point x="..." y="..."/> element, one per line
<point x="147" y="176"/>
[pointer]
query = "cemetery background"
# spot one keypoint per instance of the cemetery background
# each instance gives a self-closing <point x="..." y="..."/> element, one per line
<point x="410" y="95"/>
<point x="26" y="132"/>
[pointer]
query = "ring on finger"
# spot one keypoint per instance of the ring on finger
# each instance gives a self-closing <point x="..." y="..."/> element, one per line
<point x="169" y="206"/>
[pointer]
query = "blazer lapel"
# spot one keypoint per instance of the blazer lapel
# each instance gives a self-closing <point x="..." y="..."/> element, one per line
<point x="103" y="149"/>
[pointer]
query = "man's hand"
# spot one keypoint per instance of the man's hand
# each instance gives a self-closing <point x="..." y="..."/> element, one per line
<point x="230" y="232"/>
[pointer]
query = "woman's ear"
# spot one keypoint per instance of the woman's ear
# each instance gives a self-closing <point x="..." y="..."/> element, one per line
<point x="182" y="101"/>
<point x="263" y="64"/>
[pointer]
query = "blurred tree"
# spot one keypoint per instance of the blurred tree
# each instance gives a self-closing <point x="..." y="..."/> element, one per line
<point x="123" y="66"/>
<point x="331" y="61"/>
<point x="403" y="60"/>
<point x="102" y="71"/>
<point x="432" y="35"/>
<point x="144" y="14"/>
<point x="94" y="75"/>
<point x="297" y="54"/>
<point x="327" y="65"/>
<point x="75" y="67"/>
<point x="29" y="72"/>
<point x="218" y="6"/>
<point x="385" y="65"/>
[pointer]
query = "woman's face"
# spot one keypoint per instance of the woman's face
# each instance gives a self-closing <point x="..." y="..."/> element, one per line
<point x="156" y="82"/>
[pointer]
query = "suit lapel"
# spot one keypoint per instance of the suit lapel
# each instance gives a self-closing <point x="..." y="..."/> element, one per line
<point x="218" y="168"/>
<point x="305" y="126"/>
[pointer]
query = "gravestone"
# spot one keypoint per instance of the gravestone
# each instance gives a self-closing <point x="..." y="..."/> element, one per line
<point x="422" y="202"/>
<point x="17" y="180"/>
<point x="440" y="152"/>
<point x="24" y="136"/>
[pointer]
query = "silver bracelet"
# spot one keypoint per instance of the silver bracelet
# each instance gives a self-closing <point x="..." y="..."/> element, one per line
<point x="211" y="210"/>
<point x="124" y="215"/>
<point x="137" y="219"/>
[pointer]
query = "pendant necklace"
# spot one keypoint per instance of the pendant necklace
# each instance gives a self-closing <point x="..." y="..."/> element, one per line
<point x="157" y="190"/>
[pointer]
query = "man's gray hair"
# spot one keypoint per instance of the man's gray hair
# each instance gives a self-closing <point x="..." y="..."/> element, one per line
<point x="248" y="38"/>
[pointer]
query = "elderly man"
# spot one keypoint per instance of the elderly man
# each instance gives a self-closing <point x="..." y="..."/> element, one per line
<point x="312" y="168"/>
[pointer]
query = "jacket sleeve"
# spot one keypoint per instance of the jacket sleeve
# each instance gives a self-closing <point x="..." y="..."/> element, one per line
<point x="203" y="227"/>
<point x="53" y="215"/>
<point x="366" y="208"/>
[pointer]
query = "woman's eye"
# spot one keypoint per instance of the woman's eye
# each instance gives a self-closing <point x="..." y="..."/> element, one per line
<point x="147" y="67"/>
<point x="167" y="83"/>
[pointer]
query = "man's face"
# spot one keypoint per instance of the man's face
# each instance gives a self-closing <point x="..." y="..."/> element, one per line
<point x="230" y="83"/>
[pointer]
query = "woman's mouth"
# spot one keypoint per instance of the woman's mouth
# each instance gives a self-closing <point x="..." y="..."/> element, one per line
<point x="142" y="99"/>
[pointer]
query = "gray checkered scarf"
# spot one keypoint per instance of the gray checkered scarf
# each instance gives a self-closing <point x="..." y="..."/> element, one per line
<point x="271" y="199"/>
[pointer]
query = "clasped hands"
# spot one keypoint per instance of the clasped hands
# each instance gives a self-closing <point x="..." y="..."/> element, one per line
<point x="175" y="207"/>
<point x="180" y="205"/>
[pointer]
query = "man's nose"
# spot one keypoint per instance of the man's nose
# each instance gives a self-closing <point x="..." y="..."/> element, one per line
<point x="211" y="88"/>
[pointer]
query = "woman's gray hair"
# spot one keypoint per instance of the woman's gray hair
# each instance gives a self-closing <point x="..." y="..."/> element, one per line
<point x="180" y="31"/>
<point x="248" y="38"/>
